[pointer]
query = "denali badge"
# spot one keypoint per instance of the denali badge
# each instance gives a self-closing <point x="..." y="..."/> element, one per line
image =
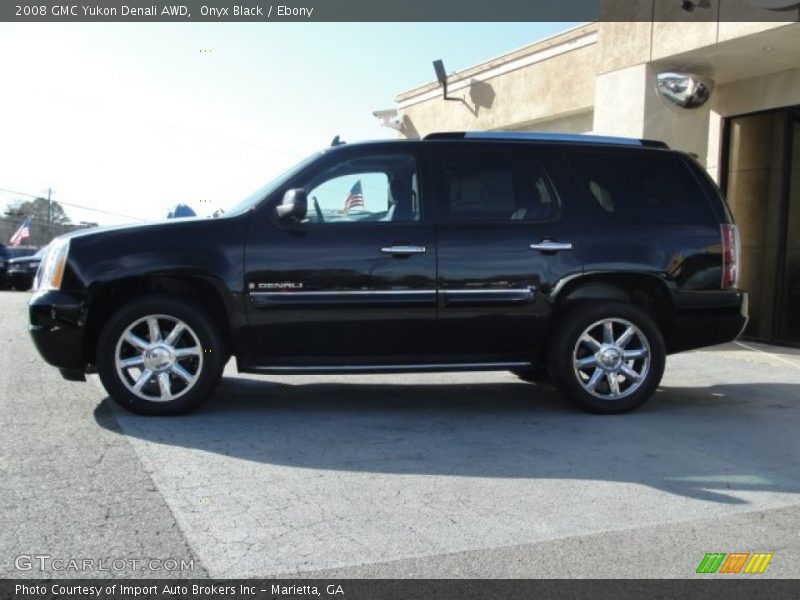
<point x="286" y="285"/>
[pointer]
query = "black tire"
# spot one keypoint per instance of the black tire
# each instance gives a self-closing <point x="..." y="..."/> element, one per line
<point x="575" y="383"/>
<point x="204" y="367"/>
<point x="533" y="375"/>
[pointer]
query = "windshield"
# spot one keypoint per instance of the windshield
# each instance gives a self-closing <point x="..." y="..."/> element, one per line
<point x="266" y="189"/>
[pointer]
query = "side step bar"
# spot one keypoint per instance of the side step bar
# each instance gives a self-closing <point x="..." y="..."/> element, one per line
<point x="361" y="369"/>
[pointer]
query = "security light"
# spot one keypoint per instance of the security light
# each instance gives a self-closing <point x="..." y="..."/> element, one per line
<point x="389" y="118"/>
<point x="441" y="77"/>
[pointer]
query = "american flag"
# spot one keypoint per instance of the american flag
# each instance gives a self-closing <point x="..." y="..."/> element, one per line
<point x="20" y="234"/>
<point x="355" y="199"/>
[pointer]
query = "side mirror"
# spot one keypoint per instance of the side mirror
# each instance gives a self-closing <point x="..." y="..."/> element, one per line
<point x="294" y="205"/>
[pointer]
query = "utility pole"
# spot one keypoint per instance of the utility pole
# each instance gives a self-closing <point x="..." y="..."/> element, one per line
<point x="49" y="232"/>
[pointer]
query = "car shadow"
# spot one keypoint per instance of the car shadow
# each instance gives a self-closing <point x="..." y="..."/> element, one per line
<point x="709" y="443"/>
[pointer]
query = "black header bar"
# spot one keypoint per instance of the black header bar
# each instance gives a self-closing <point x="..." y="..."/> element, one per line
<point x="729" y="588"/>
<point x="398" y="11"/>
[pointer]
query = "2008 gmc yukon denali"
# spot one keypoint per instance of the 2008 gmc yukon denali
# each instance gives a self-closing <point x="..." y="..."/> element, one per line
<point x="585" y="259"/>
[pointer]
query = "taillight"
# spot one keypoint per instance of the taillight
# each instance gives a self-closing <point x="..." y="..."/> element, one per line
<point x="730" y="255"/>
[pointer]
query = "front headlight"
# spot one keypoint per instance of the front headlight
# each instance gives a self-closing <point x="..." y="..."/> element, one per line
<point x="51" y="270"/>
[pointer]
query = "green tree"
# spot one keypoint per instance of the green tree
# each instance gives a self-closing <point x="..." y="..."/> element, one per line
<point x="38" y="209"/>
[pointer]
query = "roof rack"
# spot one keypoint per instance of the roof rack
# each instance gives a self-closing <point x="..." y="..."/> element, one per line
<point x="543" y="137"/>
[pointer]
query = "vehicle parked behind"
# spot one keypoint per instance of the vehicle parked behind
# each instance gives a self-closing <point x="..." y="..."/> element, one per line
<point x="22" y="270"/>
<point x="7" y="255"/>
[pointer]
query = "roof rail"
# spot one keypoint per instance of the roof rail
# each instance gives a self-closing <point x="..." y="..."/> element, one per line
<point x="534" y="136"/>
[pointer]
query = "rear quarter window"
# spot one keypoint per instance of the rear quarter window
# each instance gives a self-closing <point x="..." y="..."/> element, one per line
<point x="642" y="187"/>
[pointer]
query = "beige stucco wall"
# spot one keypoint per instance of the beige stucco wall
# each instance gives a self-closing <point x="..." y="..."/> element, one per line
<point x="606" y="70"/>
<point x="559" y="86"/>
<point x="626" y="105"/>
<point x="633" y="32"/>
<point x="758" y="93"/>
<point x="579" y="122"/>
<point x="619" y="102"/>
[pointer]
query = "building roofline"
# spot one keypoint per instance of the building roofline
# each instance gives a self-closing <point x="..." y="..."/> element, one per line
<point x="553" y="45"/>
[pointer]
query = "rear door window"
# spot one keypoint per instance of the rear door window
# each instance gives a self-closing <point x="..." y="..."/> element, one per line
<point x="642" y="187"/>
<point x="491" y="185"/>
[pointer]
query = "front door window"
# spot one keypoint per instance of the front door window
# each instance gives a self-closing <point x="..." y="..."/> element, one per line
<point x="375" y="188"/>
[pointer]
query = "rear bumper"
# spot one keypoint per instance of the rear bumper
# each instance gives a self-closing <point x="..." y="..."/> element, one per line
<point x="706" y="319"/>
<point x="57" y="328"/>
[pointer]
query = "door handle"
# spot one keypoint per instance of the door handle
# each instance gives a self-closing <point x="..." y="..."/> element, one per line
<point x="551" y="246"/>
<point x="403" y="250"/>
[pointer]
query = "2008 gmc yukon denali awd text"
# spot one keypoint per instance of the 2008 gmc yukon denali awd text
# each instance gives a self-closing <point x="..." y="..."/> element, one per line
<point x="584" y="259"/>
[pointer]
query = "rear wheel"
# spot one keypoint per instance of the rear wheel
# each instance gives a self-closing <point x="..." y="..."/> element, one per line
<point x="160" y="356"/>
<point x="607" y="358"/>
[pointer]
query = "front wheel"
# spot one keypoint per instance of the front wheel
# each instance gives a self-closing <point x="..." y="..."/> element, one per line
<point x="607" y="358"/>
<point x="159" y="355"/>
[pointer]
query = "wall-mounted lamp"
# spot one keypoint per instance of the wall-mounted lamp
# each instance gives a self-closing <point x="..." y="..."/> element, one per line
<point x="441" y="76"/>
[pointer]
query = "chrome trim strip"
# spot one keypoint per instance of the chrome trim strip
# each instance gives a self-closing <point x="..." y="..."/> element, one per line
<point x="527" y="290"/>
<point x="387" y="298"/>
<point x="345" y="298"/>
<point x="488" y="297"/>
<point x="283" y="294"/>
<point x="344" y="293"/>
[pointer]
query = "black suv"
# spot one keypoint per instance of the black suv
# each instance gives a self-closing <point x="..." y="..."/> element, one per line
<point x="21" y="270"/>
<point x="585" y="259"/>
<point x="8" y="256"/>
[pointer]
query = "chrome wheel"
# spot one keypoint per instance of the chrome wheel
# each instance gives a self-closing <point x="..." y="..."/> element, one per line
<point x="611" y="359"/>
<point x="159" y="358"/>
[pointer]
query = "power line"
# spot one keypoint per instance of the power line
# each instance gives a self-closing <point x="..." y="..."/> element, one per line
<point x="20" y="193"/>
<point x="105" y="212"/>
<point x="98" y="210"/>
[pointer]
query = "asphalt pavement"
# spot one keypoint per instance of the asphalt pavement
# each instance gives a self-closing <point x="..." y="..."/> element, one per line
<point x="435" y="475"/>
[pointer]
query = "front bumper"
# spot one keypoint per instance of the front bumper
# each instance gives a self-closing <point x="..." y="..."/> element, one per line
<point x="57" y="327"/>
<point x="20" y="279"/>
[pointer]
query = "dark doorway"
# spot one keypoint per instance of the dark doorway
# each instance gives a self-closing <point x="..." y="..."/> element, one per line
<point x="761" y="179"/>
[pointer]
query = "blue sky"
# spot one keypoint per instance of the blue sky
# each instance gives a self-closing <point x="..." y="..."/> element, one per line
<point x="133" y="118"/>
